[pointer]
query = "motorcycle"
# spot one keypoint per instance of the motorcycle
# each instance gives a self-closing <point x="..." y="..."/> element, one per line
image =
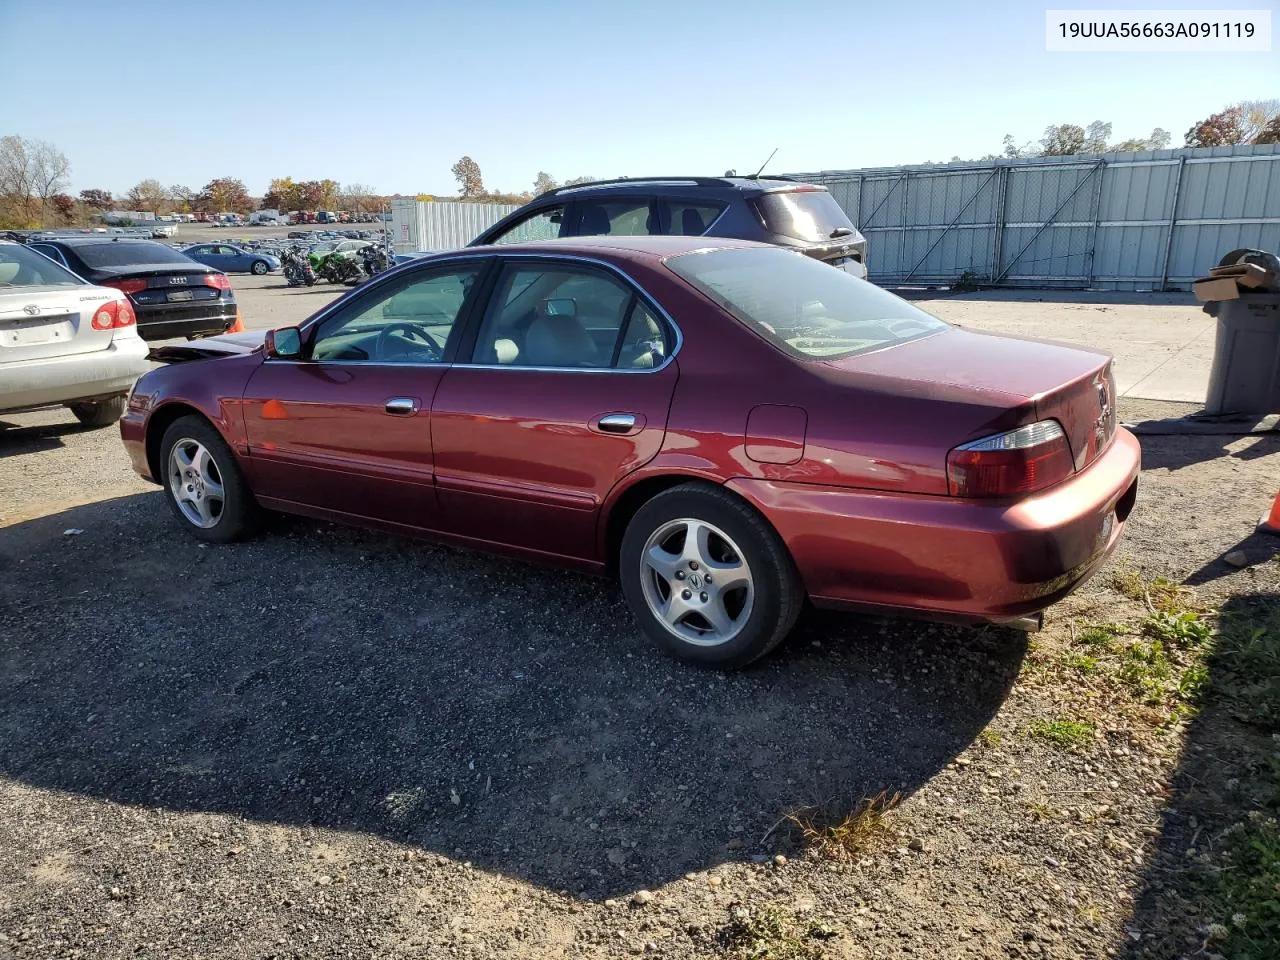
<point x="297" y="268"/>
<point x="375" y="260"/>
<point x="339" y="269"/>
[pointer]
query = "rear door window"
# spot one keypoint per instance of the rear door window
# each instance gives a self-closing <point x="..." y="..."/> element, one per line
<point x="623" y="217"/>
<point x="687" y="218"/>
<point x="809" y="215"/>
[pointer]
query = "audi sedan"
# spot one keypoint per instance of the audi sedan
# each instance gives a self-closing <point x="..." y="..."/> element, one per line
<point x="728" y="427"/>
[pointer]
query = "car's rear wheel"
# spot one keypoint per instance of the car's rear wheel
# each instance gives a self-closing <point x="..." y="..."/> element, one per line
<point x="203" y="482"/>
<point x="259" y="267"/>
<point x="707" y="577"/>
<point x="99" y="413"/>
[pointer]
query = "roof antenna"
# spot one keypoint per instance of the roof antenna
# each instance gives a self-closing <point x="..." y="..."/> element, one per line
<point x="756" y="175"/>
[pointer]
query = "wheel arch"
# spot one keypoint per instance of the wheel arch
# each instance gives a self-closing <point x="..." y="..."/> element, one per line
<point x="627" y="499"/>
<point x="160" y="421"/>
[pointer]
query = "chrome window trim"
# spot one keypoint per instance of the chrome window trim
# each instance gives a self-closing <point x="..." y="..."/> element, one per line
<point x="410" y="267"/>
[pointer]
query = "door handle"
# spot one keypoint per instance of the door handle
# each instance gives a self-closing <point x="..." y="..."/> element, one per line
<point x="401" y="406"/>
<point x="617" y="422"/>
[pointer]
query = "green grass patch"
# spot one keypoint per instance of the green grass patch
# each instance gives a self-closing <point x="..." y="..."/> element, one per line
<point x="1180" y="628"/>
<point x="1244" y="891"/>
<point x="1080" y="662"/>
<point x="771" y="934"/>
<point x="1068" y="734"/>
<point x="1099" y="636"/>
<point x="843" y="832"/>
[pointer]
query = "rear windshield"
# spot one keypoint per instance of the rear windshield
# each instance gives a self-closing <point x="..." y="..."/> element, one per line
<point x="810" y="215"/>
<point x="126" y="253"/>
<point x="20" y="267"/>
<point x="803" y="306"/>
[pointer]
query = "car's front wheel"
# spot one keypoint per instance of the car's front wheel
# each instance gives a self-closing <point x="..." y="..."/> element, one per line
<point x="203" y="482"/>
<point x="259" y="267"/>
<point x="709" y="580"/>
<point x="99" y="413"/>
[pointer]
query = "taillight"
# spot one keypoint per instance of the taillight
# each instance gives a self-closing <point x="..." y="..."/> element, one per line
<point x="126" y="286"/>
<point x="113" y="316"/>
<point x="1007" y="464"/>
<point x="218" y="281"/>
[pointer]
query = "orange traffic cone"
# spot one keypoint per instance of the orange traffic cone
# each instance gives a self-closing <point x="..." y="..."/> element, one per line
<point x="1271" y="522"/>
<point x="238" y="326"/>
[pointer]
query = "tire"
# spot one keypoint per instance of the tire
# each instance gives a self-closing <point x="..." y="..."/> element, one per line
<point x="744" y="622"/>
<point x="258" y="268"/>
<point x="99" y="413"/>
<point x="232" y="515"/>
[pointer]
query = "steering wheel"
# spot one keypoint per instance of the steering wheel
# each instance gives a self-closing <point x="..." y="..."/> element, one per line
<point x="412" y="333"/>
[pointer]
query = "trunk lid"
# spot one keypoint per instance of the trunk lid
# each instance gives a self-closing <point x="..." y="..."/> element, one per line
<point x="165" y="283"/>
<point x="1041" y="379"/>
<point x="37" y="323"/>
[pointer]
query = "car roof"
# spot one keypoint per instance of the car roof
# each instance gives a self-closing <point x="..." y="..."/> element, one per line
<point x="652" y="247"/>
<point x="93" y="241"/>
<point x="705" y="185"/>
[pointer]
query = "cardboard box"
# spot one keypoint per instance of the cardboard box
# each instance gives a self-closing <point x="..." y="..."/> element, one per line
<point x="1208" y="289"/>
<point x="1250" y="275"/>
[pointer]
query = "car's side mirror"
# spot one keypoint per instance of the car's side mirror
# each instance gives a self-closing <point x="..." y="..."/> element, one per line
<point x="283" y="344"/>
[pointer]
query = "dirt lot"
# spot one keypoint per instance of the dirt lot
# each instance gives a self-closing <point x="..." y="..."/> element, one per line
<point x="330" y="743"/>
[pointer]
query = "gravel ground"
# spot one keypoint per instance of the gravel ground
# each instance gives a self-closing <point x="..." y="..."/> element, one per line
<point x="330" y="743"/>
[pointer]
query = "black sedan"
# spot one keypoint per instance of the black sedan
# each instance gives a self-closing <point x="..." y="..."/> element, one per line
<point x="172" y="295"/>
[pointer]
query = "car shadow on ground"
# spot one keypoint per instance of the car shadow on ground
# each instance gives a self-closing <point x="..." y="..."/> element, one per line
<point x="1201" y="873"/>
<point x="16" y="440"/>
<point x="489" y="711"/>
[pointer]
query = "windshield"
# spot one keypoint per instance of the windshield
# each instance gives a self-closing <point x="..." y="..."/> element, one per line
<point x="803" y="306"/>
<point x="810" y="215"/>
<point x="127" y="253"/>
<point x="20" y="267"/>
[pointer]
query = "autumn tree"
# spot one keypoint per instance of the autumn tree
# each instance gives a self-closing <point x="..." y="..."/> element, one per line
<point x="224" y="195"/>
<point x="1270" y="133"/>
<point x="1096" y="136"/>
<point x="543" y="182"/>
<point x="467" y="172"/>
<point x="64" y="206"/>
<point x="97" y="199"/>
<point x="358" y="198"/>
<point x="577" y="181"/>
<point x="1245" y="122"/>
<point x="183" y="198"/>
<point x="1062" y="140"/>
<point x="1218" y="130"/>
<point x="1159" y="140"/>
<point x="1256" y="116"/>
<point x="31" y="172"/>
<point x="148" y="195"/>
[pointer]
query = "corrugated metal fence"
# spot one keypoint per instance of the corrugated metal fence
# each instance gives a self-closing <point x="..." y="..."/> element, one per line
<point x="441" y="225"/>
<point x="1120" y="221"/>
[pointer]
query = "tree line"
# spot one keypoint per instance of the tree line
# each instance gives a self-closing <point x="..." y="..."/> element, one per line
<point x="34" y="175"/>
<point x="1249" y="121"/>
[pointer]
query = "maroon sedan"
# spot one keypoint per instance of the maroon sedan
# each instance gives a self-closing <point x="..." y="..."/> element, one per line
<point x="731" y="428"/>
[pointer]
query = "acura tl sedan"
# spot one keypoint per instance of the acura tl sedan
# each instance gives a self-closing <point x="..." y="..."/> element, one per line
<point x="728" y="427"/>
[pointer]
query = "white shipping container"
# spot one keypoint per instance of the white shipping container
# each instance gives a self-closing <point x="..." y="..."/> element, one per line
<point x="420" y="225"/>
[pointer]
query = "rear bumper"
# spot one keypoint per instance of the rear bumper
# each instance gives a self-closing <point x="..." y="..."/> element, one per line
<point x="200" y="319"/>
<point x="946" y="557"/>
<point x="81" y="376"/>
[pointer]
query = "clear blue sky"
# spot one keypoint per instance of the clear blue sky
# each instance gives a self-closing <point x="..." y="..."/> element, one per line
<point x="392" y="93"/>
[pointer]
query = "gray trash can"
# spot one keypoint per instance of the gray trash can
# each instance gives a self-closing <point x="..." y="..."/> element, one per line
<point x="1245" y="377"/>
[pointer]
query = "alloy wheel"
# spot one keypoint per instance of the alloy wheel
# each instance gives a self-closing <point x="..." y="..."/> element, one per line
<point x="196" y="483"/>
<point x="696" y="582"/>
